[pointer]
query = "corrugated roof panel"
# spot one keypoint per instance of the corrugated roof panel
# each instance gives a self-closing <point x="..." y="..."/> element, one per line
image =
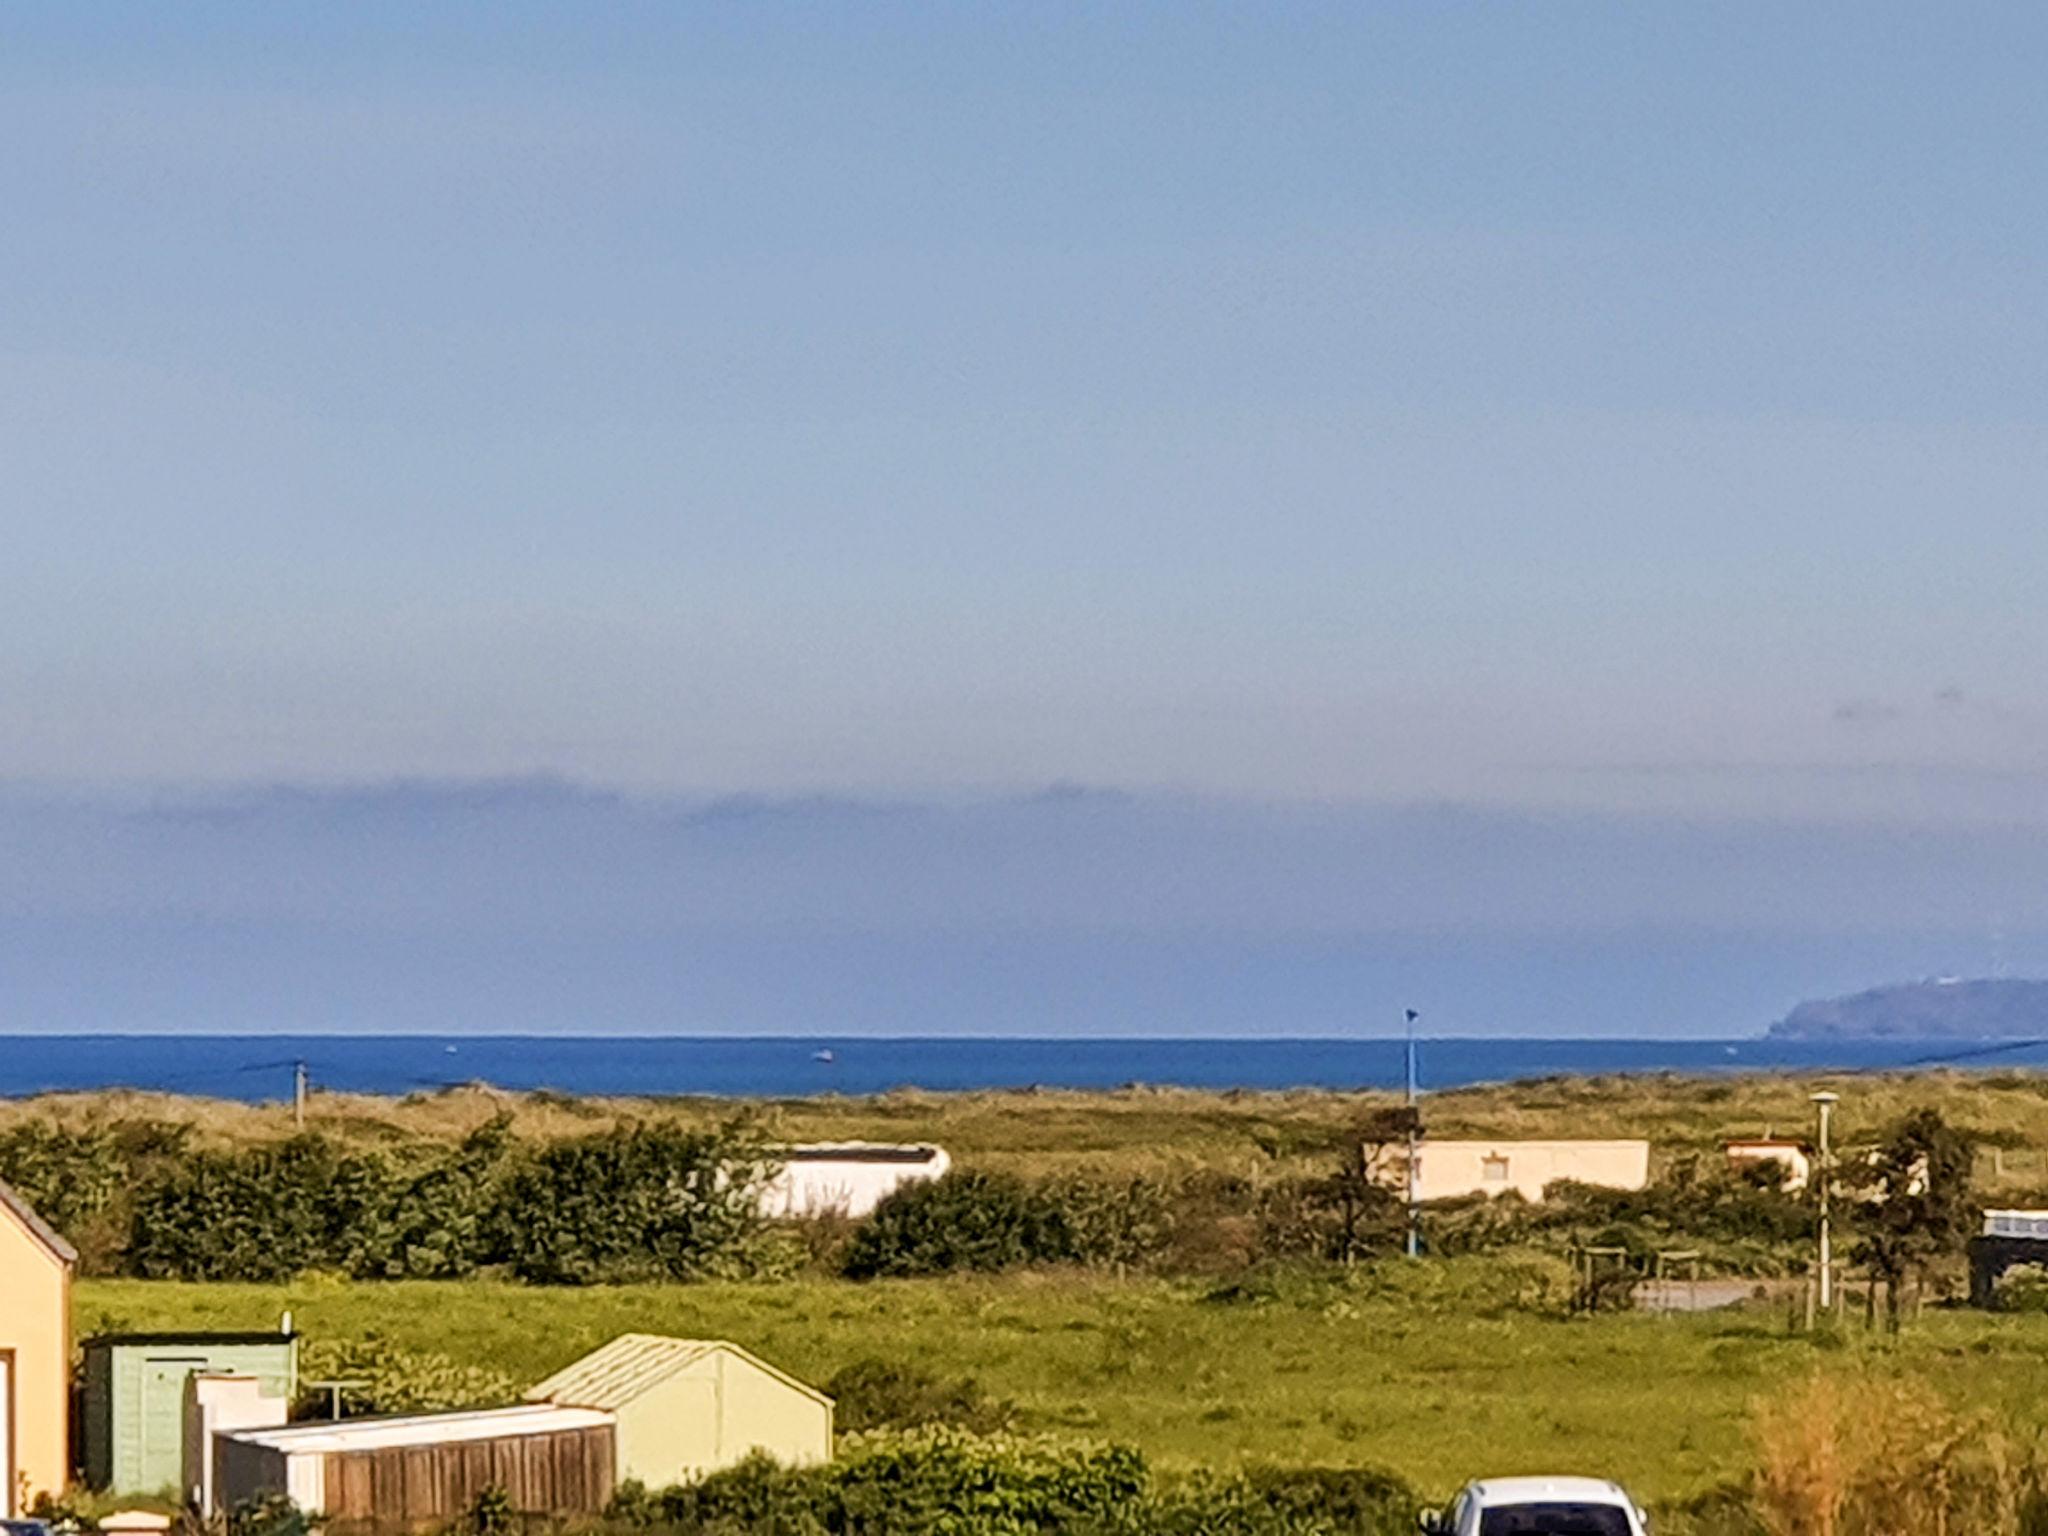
<point x="614" y="1374"/>
<point x="424" y="1429"/>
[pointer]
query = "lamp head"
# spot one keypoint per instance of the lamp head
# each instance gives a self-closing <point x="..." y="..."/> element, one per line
<point x="1825" y="1098"/>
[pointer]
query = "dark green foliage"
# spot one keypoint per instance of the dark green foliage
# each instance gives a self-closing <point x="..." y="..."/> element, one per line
<point x="887" y="1394"/>
<point x="490" y="1513"/>
<point x="74" y="1179"/>
<point x="384" y="1378"/>
<point x="984" y="1221"/>
<point x="1737" y="1220"/>
<point x="1914" y="1205"/>
<point x="270" y="1514"/>
<point x="429" y="1219"/>
<point x="261" y="1214"/>
<point x="2021" y="1288"/>
<point x="992" y="1221"/>
<point x="1285" y="1501"/>
<point x="636" y="1203"/>
<point x="939" y="1483"/>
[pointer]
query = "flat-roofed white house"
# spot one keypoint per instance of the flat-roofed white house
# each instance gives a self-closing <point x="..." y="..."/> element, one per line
<point x="1446" y="1170"/>
<point x="847" y="1178"/>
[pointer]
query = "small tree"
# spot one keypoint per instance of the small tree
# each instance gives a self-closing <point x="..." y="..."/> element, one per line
<point x="1914" y="1205"/>
<point x="1363" y="1190"/>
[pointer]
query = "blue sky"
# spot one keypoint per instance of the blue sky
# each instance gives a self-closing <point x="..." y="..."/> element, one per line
<point x="1607" y="410"/>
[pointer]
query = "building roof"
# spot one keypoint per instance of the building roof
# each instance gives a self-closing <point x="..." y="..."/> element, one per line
<point x="614" y="1374"/>
<point x="1532" y="1144"/>
<point x="38" y="1228"/>
<point x="861" y="1152"/>
<point x="125" y="1340"/>
<point x="423" y="1429"/>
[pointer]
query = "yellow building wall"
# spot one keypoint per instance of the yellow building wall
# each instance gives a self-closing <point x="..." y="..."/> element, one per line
<point x="1449" y="1169"/>
<point x="669" y="1433"/>
<point x="765" y="1414"/>
<point x="713" y="1414"/>
<point x="35" y="1327"/>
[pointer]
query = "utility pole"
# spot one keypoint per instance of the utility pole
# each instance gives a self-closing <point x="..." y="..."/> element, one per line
<point x="299" y="1094"/>
<point x="1825" y="1103"/>
<point x="1414" y="1149"/>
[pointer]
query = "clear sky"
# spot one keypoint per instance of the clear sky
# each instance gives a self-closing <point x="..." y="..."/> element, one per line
<point x="1615" y="409"/>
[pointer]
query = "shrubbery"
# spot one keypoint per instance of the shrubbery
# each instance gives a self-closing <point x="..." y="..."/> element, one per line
<point x="2021" y="1288"/>
<point x="386" y="1379"/>
<point x="639" y="1202"/>
<point x="888" y="1394"/>
<point x="992" y="1221"/>
<point x="658" y="1202"/>
<point x="940" y="1482"/>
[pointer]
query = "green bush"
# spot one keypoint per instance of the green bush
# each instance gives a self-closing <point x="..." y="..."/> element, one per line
<point x="887" y="1394"/>
<point x="942" y="1483"/>
<point x="2021" y="1288"/>
<point x="259" y="1214"/>
<point x="977" y="1221"/>
<point x="636" y="1203"/>
<point x="74" y="1180"/>
<point x="994" y="1221"/>
<point x="386" y="1379"/>
<point x="1284" y="1501"/>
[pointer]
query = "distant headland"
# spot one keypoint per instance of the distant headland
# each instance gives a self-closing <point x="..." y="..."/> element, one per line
<point x="1947" y="1009"/>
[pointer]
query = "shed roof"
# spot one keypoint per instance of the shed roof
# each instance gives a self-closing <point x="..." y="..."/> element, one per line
<point x="614" y="1374"/>
<point x="195" y="1338"/>
<point x="861" y="1152"/>
<point x="39" y="1229"/>
<point x="424" y="1429"/>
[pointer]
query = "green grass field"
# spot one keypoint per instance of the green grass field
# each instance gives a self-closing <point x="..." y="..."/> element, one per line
<point x="1388" y="1370"/>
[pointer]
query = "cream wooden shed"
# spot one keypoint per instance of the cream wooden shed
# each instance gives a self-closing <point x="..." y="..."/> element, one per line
<point x="686" y="1407"/>
<point x="35" y="1355"/>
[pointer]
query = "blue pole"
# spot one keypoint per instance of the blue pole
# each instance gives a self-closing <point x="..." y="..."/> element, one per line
<point x="1414" y="1150"/>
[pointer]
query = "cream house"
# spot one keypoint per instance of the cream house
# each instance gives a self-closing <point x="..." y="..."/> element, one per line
<point x="686" y="1407"/>
<point x="1448" y="1169"/>
<point x="35" y="1355"/>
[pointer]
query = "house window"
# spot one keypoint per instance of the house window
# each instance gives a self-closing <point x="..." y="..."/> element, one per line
<point x="1493" y="1168"/>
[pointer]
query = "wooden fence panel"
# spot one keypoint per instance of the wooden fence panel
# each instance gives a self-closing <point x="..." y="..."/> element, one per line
<point x="407" y="1487"/>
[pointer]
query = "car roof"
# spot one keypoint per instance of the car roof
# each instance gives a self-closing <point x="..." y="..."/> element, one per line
<point x="1546" y="1490"/>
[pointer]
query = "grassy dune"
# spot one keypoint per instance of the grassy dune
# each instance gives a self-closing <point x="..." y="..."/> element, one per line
<point x="1158" y="1130"/>
<point x="1397" y="1370"/>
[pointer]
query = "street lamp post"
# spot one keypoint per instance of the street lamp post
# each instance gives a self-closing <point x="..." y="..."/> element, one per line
<point x="1825" y="1103"/>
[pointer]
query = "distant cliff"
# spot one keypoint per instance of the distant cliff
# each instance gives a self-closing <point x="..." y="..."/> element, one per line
<point x="1925" y="1010"/>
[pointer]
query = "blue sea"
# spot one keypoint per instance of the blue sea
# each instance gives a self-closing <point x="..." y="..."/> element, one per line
<point x="260" y="1067"/>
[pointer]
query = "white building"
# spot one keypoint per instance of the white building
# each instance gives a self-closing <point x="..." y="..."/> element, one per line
<point x="1792" y="1156"/>
<point x="847" y="1178"/>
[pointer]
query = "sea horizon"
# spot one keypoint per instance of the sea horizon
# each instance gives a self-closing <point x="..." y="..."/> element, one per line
<point x="260" y="1067"/>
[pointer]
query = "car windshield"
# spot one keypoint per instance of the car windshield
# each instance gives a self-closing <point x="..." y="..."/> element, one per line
<point x="1554" y="1520"/>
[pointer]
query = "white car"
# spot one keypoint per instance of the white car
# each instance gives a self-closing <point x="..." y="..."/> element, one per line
<point x="1539" y="1506"/>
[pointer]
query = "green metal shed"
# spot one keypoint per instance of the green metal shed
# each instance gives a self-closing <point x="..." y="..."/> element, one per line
<point x="133" y="1405"/>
